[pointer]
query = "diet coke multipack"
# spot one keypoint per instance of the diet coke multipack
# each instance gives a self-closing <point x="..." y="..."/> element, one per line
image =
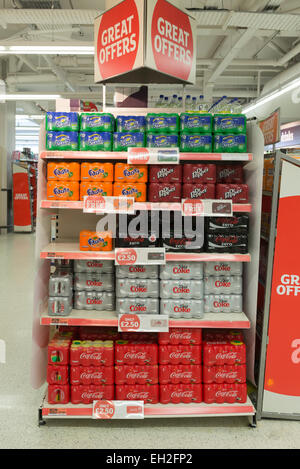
<point x="94" y="285"/>
<point x="60" y="300"/>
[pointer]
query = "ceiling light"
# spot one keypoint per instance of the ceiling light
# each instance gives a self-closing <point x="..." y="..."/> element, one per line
<point x="27" y="116"/>
<point x="290" y="86"/>
<point x="29" y="97"/>
<point x="55" y="50"/>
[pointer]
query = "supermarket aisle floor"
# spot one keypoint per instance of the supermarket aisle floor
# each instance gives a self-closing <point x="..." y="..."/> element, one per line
<point x="19" y="403"/>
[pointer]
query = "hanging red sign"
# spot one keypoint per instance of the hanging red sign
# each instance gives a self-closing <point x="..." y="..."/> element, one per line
<point x="21" y="199"/>
<point x="172" y="40"/>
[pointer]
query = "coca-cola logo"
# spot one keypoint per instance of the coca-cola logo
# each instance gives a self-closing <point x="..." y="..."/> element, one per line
<point x="94" y="301"/>
<point x="181" y="270"/>
<point x="231" y="393"/>
<point x="226" y="239"/>
<point x="92" y="395"/>
<point x="222" y="268"/>
<point x="181" y="374"/>
<point x="180" y="335"/>
<point x="181" y="355"/>
<point x="138" y="307"/>
<point x="92" y="375"/>
<point x="135" y="356"/>
<point x="226" y="375"/>
<point x="181" y="289"/>
<point x="221" y="304"/>
<point x="94" y="283"/>
<point x="139" y="395"/>
<point x="182" y="309"/>
<point x="226" y="356"/>
<point x="137" y="375"/>
<point x="137" y="269"/>
<point x="180" y="394"/>
<point x="94" y="264"/>
<point x="91" y="356"/>
<point x="138" y="289"/>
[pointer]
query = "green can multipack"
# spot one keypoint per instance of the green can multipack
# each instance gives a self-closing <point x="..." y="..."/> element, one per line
<point x="67" y="121"/>
<point x="162" y="122"/>
<point x="95" y="141"/>
<point x="230" y="143"/>
<point x="196" y="123"/>
<point x="195" y="142"/>
<point x="229" y="124"/>
<point x="62" y="141"/>
<point x="124" y="140"/>
<point x="97" y="122"/>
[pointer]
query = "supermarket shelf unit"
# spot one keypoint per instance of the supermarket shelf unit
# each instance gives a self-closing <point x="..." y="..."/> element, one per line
<point x="63" y="244"/>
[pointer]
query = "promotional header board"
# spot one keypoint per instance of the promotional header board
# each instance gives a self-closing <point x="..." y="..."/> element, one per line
<point x="270" y="127"/>
<point x="143" y="40"/>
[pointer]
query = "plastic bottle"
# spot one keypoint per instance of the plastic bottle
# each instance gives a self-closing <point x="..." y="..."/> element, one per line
<point x="173" y="102"/>
<point x="179" y="101"/>
<point x="194" y="103"/>
<point x="166" y="102"/>
<point x="159" y="102"/>
<point x="188" y="103"/>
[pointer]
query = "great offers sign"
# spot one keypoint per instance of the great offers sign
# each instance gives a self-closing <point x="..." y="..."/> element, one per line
<point x="152" y="34"/>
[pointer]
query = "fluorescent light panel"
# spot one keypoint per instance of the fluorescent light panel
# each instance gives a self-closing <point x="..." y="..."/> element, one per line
<point x="55" y="49"/>
<point x="29" y="97"/>
<point x="272" y="96"/>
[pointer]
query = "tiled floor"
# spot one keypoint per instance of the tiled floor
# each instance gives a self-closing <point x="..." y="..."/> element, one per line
<point x="19" y="402"/>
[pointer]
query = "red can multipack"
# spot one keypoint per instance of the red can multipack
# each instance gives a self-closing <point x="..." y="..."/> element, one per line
<point x="92" y="353"/>
<point x="138" y="392"/>
<point x="224" y="374"/>
<point x="176" y="393"/>
<point x="165" y="173"/>
<point x="135" y="353"/>
<point x="82" y="394"/>
<point x="198" y="191"/>
<point x="180" y="354"/>
<point x="230" y="174"/>
<point x="136" y="374"/>
<point x="199" y="173"/>
<point x="180" y="336"/>
<point x="238" y="193"/>
<point x="91" y="375"/>
<point x="164" y="192"/>
<point x="224" y="393"/>
<point x="224" y="352"/>
<point x="175" y="374"/>
<point x="58" y="394"/>
<point x="223" y="335"/>
<point x="59" y="351"/>
<point x="58" y="374"/>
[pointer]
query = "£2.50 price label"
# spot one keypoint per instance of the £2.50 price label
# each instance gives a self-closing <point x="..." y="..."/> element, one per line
<point x="140" y="256"/>
<point x="118" y="410"/>
<point x="129" y="322"/>
<point x="143" y="323"/>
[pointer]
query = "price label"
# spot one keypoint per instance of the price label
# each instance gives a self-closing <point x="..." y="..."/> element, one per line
<point x="153" y="156"/>
<point x="143" y="323"/>
<point x="58" y="321"/>
<point x="57" y="412"/>
<point x="103" y="204"/>
<point x="206" y="207"/>
<point x="140" y="256"/>
<point x="118" y="410"/>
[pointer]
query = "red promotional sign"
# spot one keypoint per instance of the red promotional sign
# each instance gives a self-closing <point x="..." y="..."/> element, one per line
<point x="103" y="409"/>
<point x="270" y="128"/>
<point x="172" y="40"/>
<point x="118" y="38"/>
<point x="282" y="374"/>
<point x="21" y="199"/>
<point x="126" y="256"/>
<point x="129" y="322"/>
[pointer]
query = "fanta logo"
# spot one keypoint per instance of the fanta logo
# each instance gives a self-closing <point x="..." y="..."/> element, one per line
<point x="61" y="171"/>
<point x="131" y="172"/>
<point x="94" y="241"/>
<point x="95" y="172"/>
<point x="129" y="191"/>
<point x="95" y="191"/>
<point x="60" y="190"/>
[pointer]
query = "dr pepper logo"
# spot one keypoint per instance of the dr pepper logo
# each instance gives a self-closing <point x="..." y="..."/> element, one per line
<point x="172" y="40"/>
<point x="118" y="39"/>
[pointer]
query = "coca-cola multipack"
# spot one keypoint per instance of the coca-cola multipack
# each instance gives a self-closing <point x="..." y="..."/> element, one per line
<point x="227" y="234"/>
<point x="58" y="369"/>
<point x="185" y="234"/>
<point x="142" y="237"/>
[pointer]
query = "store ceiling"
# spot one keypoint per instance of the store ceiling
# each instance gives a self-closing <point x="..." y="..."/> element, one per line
<point x="242" y="45"/>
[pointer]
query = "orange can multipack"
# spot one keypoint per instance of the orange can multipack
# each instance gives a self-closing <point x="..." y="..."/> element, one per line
<point x="63" y="171"/>
<point x="103" y="172"/>
<point x="138" y="190"/>
<point x="95" y="188"/>
<point x="95" y="240"/>
<point x="131" y="173"/>
<point x="62" y="190"/>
